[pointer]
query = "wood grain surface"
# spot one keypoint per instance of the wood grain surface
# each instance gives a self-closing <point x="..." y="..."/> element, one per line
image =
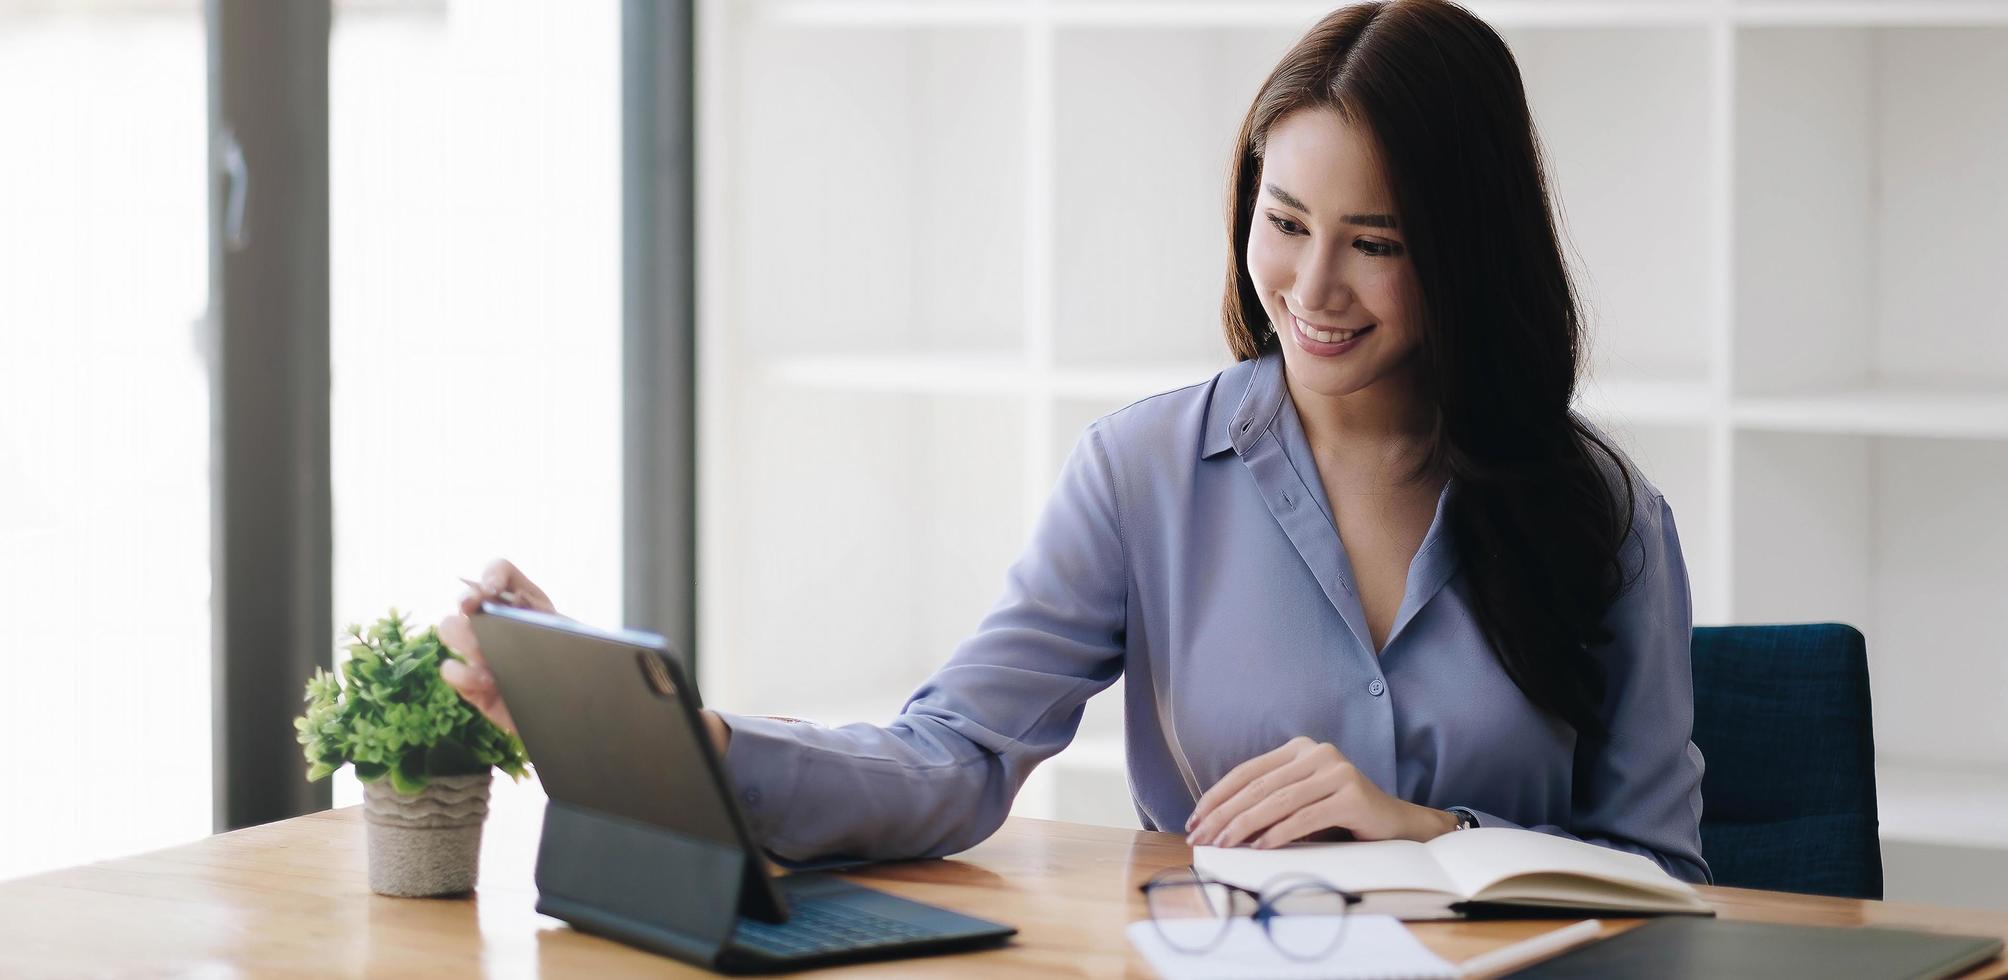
<point x="292" y="898"/>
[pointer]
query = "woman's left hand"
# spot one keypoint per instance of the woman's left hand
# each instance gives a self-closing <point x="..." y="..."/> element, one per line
<point x="1299" y="789"/>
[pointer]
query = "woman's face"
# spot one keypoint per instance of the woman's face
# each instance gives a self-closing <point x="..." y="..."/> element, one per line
<point x="1326" y="253"/>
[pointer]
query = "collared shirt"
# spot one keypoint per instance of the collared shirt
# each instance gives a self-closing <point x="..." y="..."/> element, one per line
<point x="1189" y="549"/>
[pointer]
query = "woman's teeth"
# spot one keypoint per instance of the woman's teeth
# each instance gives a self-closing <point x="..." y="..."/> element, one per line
<point x="1331" y="336"/>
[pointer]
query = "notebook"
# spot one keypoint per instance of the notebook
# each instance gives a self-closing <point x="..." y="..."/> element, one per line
<point x="1677" y="949"/>
<point x="1374" y="947"/>
<point x="1476" y="872"/>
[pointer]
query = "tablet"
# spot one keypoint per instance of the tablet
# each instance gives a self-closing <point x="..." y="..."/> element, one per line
<point x="643" y="837"/>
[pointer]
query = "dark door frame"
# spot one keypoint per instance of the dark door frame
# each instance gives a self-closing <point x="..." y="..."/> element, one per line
<point x="272" y="536"/>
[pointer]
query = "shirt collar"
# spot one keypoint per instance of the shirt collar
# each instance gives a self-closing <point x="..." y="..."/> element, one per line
<point x="1245" y="403"/>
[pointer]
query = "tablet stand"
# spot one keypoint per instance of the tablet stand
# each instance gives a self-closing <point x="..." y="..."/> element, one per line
<point x="645" y="885"/>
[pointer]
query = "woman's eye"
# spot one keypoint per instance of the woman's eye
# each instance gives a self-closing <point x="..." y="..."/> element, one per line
<point x="1372" y="247"/>
<point x="1284" y="225"/>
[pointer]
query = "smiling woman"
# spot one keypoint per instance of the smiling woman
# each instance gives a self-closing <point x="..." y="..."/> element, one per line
<point x="1375" y="578"/>
<point x="1443" y="235"/>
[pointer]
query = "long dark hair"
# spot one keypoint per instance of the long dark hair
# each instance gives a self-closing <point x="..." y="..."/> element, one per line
<point x="1536" y="516"/>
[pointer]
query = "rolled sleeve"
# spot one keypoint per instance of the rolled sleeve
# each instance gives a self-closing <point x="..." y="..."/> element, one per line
<point x="1639" y="789"/>
<point x="941" y="776"/>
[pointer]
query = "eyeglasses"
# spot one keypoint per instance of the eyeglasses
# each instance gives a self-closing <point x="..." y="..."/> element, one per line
<point x="1304" y="916"/>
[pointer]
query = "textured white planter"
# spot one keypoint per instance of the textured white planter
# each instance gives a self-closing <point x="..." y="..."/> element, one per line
<point x="428" y="843"/>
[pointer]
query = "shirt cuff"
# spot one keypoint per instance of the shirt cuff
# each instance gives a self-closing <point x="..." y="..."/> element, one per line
<point x="1490" y="820"/>
<point x="763" y="762"/>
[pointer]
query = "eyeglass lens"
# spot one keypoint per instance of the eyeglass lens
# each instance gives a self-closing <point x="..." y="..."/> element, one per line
<point x="1303" y="917"/>
<point x="1192" y="914"/>
<point x="1307" y="918"/>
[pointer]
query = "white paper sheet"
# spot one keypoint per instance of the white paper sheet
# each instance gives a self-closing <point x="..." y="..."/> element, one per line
<point x="1375" y="946"/>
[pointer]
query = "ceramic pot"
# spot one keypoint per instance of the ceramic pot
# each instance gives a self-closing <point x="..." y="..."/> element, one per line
<point x="427" y="843"/>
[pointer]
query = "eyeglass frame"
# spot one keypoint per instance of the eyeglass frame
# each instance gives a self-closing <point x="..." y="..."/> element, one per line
<point x="1263" y="912"/>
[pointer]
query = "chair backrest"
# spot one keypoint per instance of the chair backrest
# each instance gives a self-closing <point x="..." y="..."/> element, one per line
<point x="1781" y="715"/>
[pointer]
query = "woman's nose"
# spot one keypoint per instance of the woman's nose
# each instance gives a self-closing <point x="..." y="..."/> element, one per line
<point x="1322" y="289"/>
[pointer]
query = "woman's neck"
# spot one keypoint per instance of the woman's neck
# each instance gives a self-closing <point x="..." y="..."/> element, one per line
<point x="1377" y="433"/>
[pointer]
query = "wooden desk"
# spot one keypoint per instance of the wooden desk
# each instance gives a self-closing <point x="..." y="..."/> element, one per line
<point x="293" y="898"/>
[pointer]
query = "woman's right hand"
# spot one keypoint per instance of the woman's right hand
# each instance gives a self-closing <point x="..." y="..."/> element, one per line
<point x="476" y="682"/>
<point x="473" y="679"/>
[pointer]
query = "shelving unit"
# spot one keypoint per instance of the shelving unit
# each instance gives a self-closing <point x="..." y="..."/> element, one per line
<point x="941" y="237"/>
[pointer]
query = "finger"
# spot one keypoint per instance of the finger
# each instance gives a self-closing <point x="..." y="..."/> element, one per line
<point x="1212" y="830"/>
<point x="1260" y="770"/>
<point x="500" y="575"/>
<point x="1256" y="789"/>
<point x="1275" y="808"/>
<point x="477" y="686"/>
<point x="493" y="707"/>
<point x="458" y="676"/>
<point x="533" y="595"/>
<point x="1239" y="777"/>
<point x="1323" y="814"/>
<point x="1215" y="809"/>
<point x="458" y="635"/>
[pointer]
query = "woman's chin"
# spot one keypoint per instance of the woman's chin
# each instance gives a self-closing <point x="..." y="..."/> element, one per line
<point x="1320" y="376"/>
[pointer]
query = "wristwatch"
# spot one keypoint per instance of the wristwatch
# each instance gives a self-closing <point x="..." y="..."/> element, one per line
<point x="1466" y="819"/>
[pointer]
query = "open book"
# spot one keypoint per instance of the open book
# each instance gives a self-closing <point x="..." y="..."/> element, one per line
<point x="1490" y="867"/>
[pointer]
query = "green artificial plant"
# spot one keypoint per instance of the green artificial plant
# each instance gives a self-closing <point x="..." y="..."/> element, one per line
<point x="396" y="717"/>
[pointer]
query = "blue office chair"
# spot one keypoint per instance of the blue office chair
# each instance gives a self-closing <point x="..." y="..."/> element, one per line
<point x="1781" y="715"/>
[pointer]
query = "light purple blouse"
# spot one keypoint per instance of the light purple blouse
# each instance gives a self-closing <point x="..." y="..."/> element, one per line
<point x="1188" y="548"/>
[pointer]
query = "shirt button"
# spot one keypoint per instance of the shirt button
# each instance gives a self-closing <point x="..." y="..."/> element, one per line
<point x="1376" y="688"/>
<point x="752" y="796"/>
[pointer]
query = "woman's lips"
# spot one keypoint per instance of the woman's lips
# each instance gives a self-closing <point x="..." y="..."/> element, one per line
<point x="1308" y="341"/>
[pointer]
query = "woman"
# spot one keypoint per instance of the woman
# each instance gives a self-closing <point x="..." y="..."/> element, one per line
<point x="1376" y="578"/>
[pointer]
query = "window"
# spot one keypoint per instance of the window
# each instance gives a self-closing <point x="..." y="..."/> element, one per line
<point x="475" y="291"/>
<point x="104" y="432"/>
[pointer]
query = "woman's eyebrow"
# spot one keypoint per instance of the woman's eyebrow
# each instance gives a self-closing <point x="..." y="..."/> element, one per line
<point x="1369" y="220"/>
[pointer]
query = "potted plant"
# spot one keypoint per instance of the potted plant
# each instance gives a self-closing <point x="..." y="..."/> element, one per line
<point x="424" y="756"/>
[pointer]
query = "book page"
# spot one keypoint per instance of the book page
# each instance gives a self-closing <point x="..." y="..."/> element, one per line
<point x="1479" y="858"/>
<point x="1574" y="891"/>
<point x="1353" y="866"/>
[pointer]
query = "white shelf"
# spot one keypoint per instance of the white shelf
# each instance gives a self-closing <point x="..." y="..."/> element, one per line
<point x="1299" y="13"/>
<point x="1206" y="13"/>
<point x="978" y="374"/>
<point x="886" y="13"/>
<point x="918" y="373"/>
<point x="1942" y="806"/>
<point x="1881" y="411"/>
<point x="1647" y="401"/>
<point x="1258" y="13"/>
<point x="1872" y="13"/>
